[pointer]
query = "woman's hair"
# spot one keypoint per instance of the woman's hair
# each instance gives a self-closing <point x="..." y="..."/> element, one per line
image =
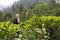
<point x="17" y="15"/>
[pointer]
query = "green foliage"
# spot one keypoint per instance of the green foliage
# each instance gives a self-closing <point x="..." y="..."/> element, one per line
<point x="36" y="28"/>
<point x="38" y="22"/>
<point x="47" y="10"/>
<point x="1" y="15"/>
<point x="39" y="8"/>
<point x="7" y="16"/>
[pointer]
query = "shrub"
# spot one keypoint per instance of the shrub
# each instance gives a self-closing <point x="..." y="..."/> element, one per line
<point x="36" y="28"/>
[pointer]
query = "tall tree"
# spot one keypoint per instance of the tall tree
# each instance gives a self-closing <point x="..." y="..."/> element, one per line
<point x="14" y="8"/>
<point x="1" y="15"/>
<point x="52" y="2"/>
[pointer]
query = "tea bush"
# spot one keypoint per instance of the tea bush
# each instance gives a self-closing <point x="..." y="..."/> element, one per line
<point x="36" y="28"/>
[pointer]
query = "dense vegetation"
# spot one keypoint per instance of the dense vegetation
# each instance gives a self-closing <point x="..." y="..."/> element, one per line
<point x="36" y="28"/>
<point x="41" y="21"/>
<point x="38" y="8"/>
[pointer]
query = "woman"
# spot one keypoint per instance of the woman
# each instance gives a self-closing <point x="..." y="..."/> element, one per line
<point x="17" y="19"/>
